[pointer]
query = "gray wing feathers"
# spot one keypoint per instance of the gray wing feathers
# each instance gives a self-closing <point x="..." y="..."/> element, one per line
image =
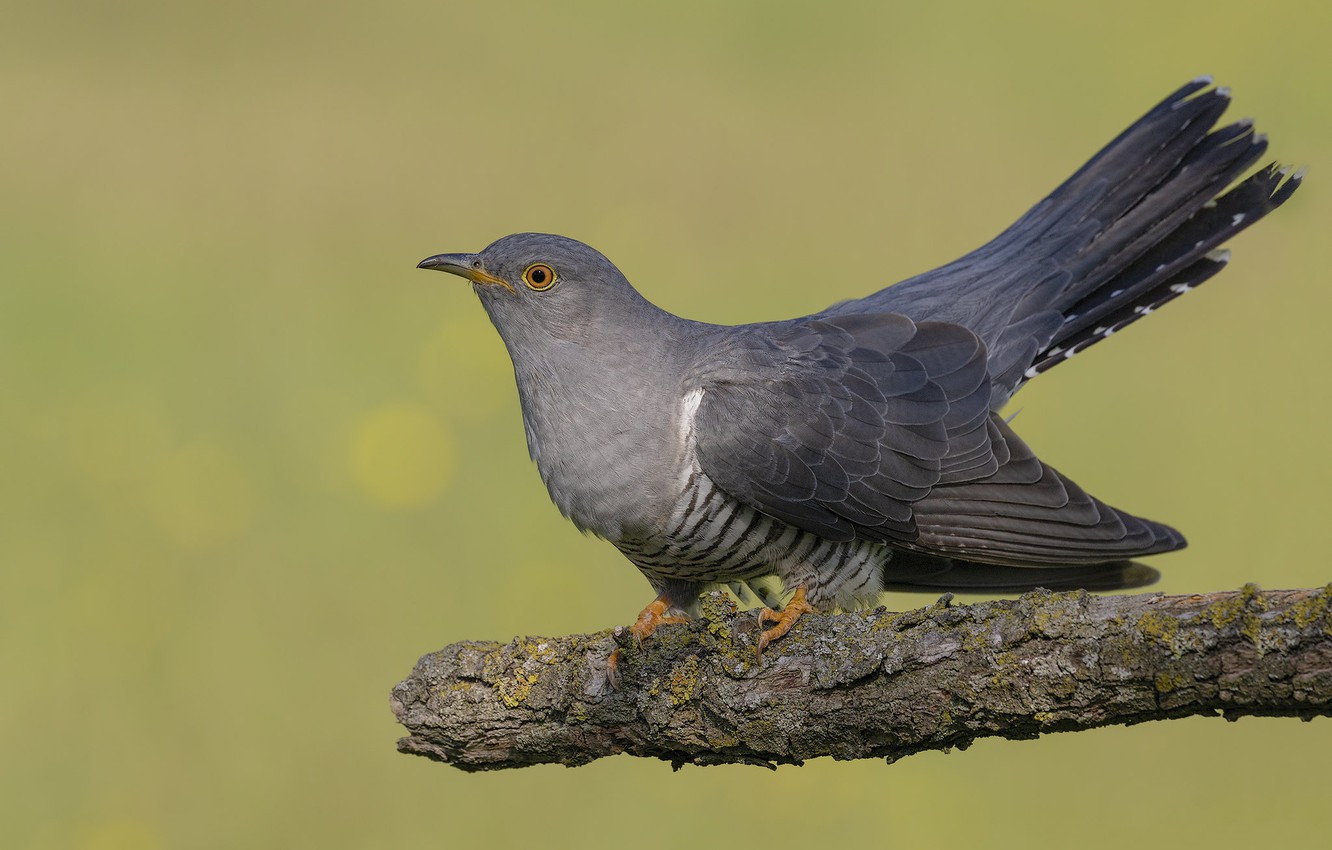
<point x="837" y="426"/>
<point x="877" y="427"/>
<point x="1028" y="513"/>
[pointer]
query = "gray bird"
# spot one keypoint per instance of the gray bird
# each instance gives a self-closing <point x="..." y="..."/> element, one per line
<point x="861" y="448"/>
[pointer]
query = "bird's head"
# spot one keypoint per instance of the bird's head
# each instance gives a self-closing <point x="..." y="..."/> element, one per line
<point x="536" y="285"/>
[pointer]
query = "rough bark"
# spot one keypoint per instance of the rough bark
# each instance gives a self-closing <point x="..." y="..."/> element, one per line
<point x="871" y="684"/>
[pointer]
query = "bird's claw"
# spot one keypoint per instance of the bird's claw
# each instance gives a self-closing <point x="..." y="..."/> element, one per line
<point x="651" y="617"/>
<point x="785" y="619"/>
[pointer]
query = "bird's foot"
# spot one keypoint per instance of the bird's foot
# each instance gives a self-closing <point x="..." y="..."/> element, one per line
<point x="785" y="619"/>
<point x="651" y="617"/>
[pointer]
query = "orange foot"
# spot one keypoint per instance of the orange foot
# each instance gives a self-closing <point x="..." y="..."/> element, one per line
<point x="784" y="620"/>
<point x="651" y="618"/>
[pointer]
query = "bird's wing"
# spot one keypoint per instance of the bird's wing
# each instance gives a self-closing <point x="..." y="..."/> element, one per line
<point x="1028" y="513"/>
<point x="875" y="426"/>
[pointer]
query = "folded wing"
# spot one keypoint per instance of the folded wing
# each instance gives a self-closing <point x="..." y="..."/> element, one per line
<point x="874" y="426"/>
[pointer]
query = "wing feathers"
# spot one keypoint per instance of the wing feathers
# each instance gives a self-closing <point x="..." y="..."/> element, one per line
<point x="900" y="447"/>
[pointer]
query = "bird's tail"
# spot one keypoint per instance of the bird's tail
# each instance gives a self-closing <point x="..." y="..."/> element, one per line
<point x="1137" y="226"/>
<point x="1161" y="213"/>
<point x="918" y="572"/>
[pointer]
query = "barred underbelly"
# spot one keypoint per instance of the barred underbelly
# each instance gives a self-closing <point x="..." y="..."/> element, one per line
<point x="711" y="537"/>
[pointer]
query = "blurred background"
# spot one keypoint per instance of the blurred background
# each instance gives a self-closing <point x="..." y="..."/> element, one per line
<point x="255" y="463"/>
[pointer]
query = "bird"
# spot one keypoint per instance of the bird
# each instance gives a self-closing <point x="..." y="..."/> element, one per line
<point x="862" y="447"/>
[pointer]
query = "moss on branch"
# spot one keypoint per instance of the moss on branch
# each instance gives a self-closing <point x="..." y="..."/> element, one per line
<point x="871" y="684"/>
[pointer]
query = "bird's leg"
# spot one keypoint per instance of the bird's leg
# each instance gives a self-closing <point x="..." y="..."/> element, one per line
<point x="784" y="619"/>
<point x="651" y="617"/>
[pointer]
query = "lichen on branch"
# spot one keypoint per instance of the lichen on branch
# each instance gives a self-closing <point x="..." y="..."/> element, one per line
<point x="870" y="684"/>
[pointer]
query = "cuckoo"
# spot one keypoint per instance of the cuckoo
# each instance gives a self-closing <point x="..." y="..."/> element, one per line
<point x="862" y="447"/>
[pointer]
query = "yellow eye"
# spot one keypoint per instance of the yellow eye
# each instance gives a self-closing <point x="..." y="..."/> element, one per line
<point x="539" y="276"/>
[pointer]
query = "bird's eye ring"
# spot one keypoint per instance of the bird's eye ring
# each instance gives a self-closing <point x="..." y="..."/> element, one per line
<point x="539" y="277"/>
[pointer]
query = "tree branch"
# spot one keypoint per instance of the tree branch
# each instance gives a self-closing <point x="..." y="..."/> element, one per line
<point x="871" y="684"/>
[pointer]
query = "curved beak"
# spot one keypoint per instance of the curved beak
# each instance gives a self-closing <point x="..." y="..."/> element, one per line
<point x="463" y="265"/>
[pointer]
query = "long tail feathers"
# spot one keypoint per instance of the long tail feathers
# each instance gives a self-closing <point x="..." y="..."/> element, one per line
<point x="1183" y="261"/>
<point x="1161" y="216"/>
<point x="1136" y="226"/>
<point x="916" y="572"/>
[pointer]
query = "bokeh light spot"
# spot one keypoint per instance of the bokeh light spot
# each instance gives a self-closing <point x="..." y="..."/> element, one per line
<point x="401" y="456"/>
<point x="120" y="833"/>
<point x="464" y="369"/>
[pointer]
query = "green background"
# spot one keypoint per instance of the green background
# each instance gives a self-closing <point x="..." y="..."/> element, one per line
<point x="255" y="463"/>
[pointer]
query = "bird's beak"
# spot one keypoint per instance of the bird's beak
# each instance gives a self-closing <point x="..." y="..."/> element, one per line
<point x="463" y="265"/>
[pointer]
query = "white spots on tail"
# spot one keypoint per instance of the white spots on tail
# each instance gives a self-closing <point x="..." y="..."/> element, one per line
<point x="1236" y="219"/>
<point x="1220" y="255"/>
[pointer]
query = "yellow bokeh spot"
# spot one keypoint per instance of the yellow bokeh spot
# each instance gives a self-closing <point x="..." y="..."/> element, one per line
<point x="464" y="369"/>
<point x="401" y="456"/>
<point x="120" y="833"/>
